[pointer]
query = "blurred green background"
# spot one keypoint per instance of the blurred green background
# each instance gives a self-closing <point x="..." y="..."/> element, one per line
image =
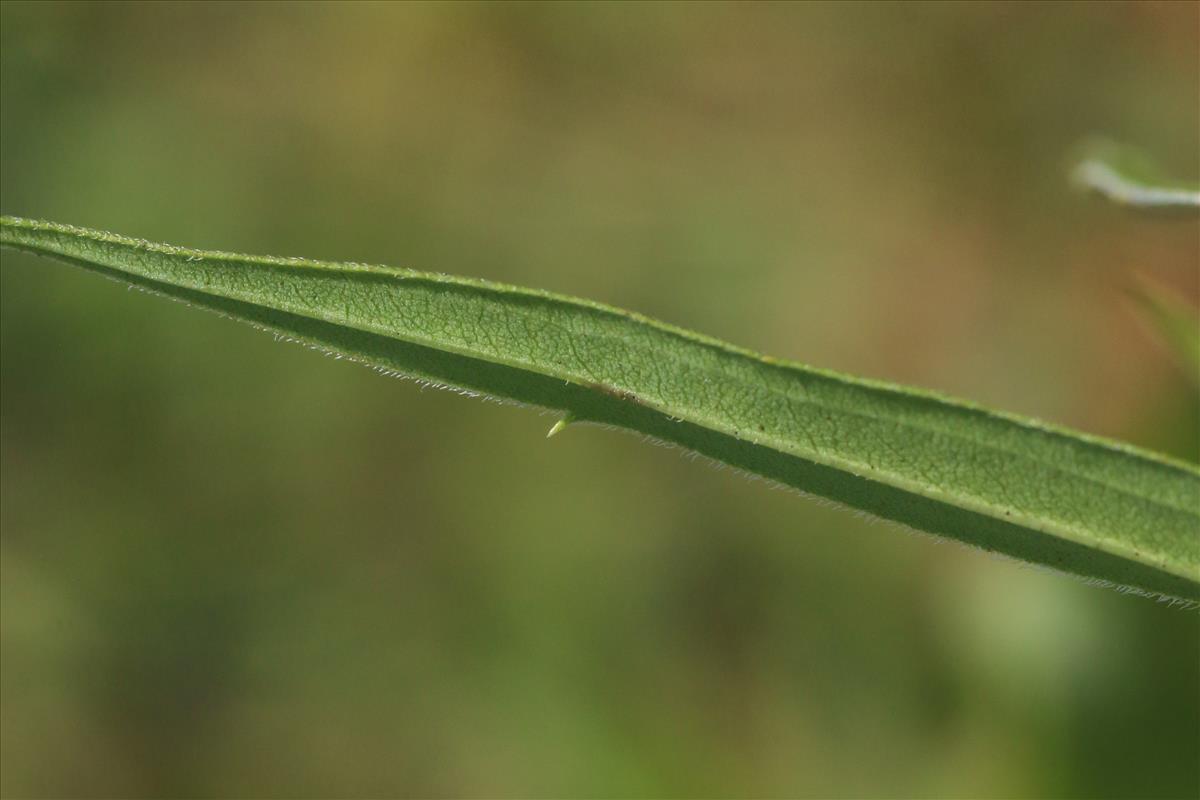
<point x="234" y="567"/>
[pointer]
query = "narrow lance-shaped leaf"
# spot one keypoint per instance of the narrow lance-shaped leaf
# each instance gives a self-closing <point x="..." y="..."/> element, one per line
<point x="1069" y="501"/>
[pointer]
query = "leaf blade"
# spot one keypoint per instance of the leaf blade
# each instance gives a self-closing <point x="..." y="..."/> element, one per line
<point x="1066" y="500"/>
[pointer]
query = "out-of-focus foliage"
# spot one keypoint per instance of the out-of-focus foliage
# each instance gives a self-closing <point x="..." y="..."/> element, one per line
<point x="191" y="605"/>
<point x="1173" y="319"/>
<point x="1127" y="176"/>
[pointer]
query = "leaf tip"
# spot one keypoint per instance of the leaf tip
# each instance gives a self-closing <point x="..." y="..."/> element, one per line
<point x="558" y="427"/>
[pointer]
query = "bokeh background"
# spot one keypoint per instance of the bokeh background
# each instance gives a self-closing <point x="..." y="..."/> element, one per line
<point x="232" y="567"/>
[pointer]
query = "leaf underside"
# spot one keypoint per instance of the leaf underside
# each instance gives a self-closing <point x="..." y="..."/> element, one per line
<point x="1075" y="503"/>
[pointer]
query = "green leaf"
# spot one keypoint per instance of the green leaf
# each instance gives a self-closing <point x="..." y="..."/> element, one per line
<point x="1072" y="502"/>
